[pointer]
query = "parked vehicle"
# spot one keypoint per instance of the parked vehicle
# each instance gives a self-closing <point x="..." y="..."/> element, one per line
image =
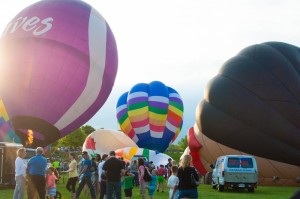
<point x="8" y="155"/>
<point x="235" y="171"/>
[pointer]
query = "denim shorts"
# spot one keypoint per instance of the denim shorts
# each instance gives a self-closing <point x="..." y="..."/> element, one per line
<point x="51" y="192"/>
<point x="188" y="193"/>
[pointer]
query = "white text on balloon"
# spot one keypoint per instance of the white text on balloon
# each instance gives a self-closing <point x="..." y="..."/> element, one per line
<point x="30" y="24"/>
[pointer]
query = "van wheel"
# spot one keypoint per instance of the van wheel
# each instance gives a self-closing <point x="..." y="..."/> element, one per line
<point x="251" y="189"/>
<point x="220" y="188"/>
<point x="214" y="186"/>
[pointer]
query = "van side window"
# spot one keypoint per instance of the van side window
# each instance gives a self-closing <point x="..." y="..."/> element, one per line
<point x="246" y="163"/>
<point x="233" y="162"/>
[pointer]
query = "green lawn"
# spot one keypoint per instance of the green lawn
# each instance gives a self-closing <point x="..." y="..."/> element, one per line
<point x="205" y="191"/>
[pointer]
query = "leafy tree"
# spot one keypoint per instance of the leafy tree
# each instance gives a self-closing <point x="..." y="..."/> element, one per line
<point x="183" y="143"/>
<point x="87" y="129"/>
<point x="74" y="139"/>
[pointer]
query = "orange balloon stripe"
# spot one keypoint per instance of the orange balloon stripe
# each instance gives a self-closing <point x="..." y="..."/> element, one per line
<point x="174" y="116"/>
<point x="139" y="117"/>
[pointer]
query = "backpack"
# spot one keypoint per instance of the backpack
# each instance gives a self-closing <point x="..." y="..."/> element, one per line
<point x="147" y="176"/>
<point x="93" y="167"/>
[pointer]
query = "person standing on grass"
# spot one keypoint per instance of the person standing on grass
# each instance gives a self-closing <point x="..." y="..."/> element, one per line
<point x="161" y="173"/>
<point x="73" y="175"/>
<point x="50" y="183"/>
<point x="173" y="183"/>
<point x="37" y="169"/>
<point x="86" y="176"/>
<point x="20" y="168"/>
<point x="134" y="171"/>
<point x="128" y="184"/>
<point x="114" y="170"/>
<point x="153" y="183"/>
<point x="185" y="172"/>
<point x="102" y="177"/>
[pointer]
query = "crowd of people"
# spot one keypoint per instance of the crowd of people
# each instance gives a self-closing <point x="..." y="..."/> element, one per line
<point x="104" y="176"/>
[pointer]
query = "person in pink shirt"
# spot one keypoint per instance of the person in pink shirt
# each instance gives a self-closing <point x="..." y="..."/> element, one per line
<point x="141" y="171"/>
<point x="50" y="183"/>
<point x="161" y="173"/>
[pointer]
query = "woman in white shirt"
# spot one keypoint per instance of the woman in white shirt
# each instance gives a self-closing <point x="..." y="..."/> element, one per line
<point x="20" y="168"/>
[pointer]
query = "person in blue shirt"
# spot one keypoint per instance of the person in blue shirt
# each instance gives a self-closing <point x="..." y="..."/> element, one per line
<point x="86" y="176"/>
<point x="36" y="168"/>
<point x="153" y="183"/>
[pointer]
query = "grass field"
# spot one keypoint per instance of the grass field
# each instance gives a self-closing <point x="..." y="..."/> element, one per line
<point x="204" y="191"/>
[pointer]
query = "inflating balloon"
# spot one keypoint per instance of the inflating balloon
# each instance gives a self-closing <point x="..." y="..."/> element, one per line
<point x="58" y="66"/>
<point x="7" y="134"/>
<point x="151" y="115"/>
<point x="129" y="152"/>
<point x="205" y="152"/>
<point x="104" y="140"/>
<point x="252" y="105"/>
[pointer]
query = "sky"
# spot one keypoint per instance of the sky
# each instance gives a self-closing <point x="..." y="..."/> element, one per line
<point x="181" y="43"/>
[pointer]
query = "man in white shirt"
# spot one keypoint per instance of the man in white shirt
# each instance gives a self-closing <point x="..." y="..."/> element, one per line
<point x="20" y="168"/>
<point x="102" y="182"/>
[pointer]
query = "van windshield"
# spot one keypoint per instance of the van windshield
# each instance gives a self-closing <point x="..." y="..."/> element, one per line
<point x="30" y="154"/>
<point x="236" y="162"/>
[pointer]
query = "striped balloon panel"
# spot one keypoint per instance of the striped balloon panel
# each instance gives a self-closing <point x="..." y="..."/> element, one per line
<point x="122" y="116"/>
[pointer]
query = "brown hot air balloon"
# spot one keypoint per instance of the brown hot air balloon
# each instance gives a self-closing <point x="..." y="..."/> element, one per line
<point x="205" y="151"/>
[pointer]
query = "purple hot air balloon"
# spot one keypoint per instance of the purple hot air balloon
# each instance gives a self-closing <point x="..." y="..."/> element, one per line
<point x="59" y="63"/>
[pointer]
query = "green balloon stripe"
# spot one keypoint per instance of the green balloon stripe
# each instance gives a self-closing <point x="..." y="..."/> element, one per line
<point x="137" y="105"/>
<point x="178" y="106"/>
<point x="146" y="153"/>
<point x="123" y="118"/>
<point x="158" y="110"/>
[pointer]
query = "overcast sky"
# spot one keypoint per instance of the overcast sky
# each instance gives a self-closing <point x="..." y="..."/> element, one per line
<point x="181" y="43"/>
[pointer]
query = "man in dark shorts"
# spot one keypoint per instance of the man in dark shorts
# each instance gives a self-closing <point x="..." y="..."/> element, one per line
<point x="114" y="169"/>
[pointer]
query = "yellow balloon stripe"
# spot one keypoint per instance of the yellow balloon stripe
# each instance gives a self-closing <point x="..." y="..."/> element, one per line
<point x="3" y="112"/>
<point x="138" y="112"/>
<point x="158" y="117"/>
<point x="175" y="110"/>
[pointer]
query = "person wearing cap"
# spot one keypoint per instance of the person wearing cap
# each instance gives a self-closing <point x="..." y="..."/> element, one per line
<point x="86" y="176"/>
<point x="36" y="168"/>
<point x="114" y="169"/>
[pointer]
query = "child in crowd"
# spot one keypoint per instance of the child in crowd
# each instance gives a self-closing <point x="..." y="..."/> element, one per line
<point x="161" y="172"/>
<point x="128" y="185"/>
<point x="173" y="183"/>
<point x="50" y="183"/>
<point x="152" y="184"/>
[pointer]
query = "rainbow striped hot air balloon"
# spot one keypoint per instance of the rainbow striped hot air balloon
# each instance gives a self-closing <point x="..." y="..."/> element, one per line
<point x="151" y="115"/>
<point x="6" y="132"/>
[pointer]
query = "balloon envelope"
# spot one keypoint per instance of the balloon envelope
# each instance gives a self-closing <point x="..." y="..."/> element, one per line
<point x="7" y="134"/>
<point x="151" y="115"/>
<point x="104" y="140"/>
<point x="209" y="151"/>
<point x="154" y="156"/>
<point x="59" y="62"/>
<point x="252" y="105"/>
